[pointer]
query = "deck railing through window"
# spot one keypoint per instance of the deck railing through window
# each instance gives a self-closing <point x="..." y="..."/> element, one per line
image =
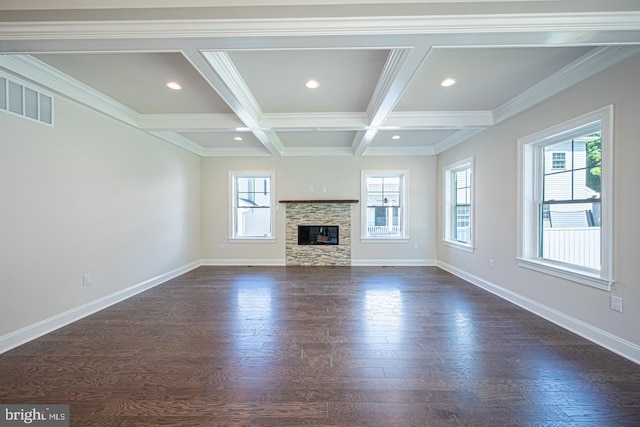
<point x="580" y="246"/>
<point x="382" y="230"/>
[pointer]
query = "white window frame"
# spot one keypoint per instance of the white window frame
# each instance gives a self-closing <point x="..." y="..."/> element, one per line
<point x="530" y="162"/>
<point x="403" y="217"/>
<point x="233" y="176"/>
<point x="449" y="196"/>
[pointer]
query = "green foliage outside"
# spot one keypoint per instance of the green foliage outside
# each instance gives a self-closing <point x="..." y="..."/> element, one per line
<point x="594" y="164"/>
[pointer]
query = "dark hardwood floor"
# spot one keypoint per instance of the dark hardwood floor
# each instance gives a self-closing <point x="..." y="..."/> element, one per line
<point x="322" y="346"/>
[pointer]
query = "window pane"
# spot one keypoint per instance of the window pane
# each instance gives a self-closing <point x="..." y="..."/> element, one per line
<point x="253" y="222"/>
<point x="15" y="98"/>
<point x="374" y="184"/>
<point x="571" y="233"/>
<point x="3" y="93"/>
<point x="252" y="210"/>
<point x="383" y="201"/>
<point x="30" y="103"/>
<point x="46" y="115"/>
<point x="462" y="224"/>
<point x="572" y="169"/>
<point x="383" y="221"/>
<point x="391" y="184"/>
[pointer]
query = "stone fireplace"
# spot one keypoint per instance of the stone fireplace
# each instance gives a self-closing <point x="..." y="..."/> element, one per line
<point x="335" y="214"/>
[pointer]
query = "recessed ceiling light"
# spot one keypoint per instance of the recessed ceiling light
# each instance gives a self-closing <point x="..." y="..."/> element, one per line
<point x="312" y="84"/>
<point x="448" y="82"/>
<point x="174" y="85"/>
<point x="395" y="137"/>
<point x="237" y="138"/>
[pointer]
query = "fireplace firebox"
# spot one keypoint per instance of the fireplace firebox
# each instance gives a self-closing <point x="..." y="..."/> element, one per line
<point x="318" y="235"/>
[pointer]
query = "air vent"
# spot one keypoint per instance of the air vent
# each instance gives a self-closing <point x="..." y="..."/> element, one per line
<point x="20" y="99"/>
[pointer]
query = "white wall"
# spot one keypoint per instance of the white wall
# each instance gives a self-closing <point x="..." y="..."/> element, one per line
<point x="495" y="154"/>
<point x="341" y="177"/>
<point x="90" y="195"/>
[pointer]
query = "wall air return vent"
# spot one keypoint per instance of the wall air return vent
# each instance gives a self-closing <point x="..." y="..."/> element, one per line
<point x="23" y="100"/>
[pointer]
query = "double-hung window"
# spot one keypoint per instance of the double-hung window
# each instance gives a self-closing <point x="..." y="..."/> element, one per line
<point x="252" y="203"/>
<point x="458" y="204"/>
<point x="565" y="200"/>
<point x="384" y="214"/>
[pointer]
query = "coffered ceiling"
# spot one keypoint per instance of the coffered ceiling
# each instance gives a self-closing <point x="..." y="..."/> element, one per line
<point x="243" y="65"/>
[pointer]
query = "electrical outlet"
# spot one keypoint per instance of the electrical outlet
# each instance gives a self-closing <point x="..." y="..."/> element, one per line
<point x="616" y="303"/>
<point x="86" y="279"/>
<point x="490" y="262"/>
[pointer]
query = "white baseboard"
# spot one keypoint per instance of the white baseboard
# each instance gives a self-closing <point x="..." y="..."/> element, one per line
<point x="354" y="262"/>
<point x="605" y="339"/>
<point x="393" y="262"/>
<point x="243" y="262"/>
<point x="31" y="332"/>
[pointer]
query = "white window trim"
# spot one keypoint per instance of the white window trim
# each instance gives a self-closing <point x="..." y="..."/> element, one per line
<point x="272" y="200"/>
<point x="528" y="188"/>
<point x="448" y="205"/>
<point x="404" y="217"/>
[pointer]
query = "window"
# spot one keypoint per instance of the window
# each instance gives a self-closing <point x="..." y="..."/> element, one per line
<point x="458" y="204"/>
<point x="19" y="99"/>
<point x="384" y="208"/>
<point x="565" y="219"/>
<point x="252" y="205"/>
<point x="558" y="160"/>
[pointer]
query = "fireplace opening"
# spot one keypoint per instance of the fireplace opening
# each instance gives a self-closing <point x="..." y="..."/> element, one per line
<point x="318" y="235"/>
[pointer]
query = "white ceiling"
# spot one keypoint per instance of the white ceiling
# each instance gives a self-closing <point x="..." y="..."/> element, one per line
<point x="242" y="65"/>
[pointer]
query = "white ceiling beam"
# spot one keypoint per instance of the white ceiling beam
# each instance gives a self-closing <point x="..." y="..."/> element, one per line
<point x="401" y="66"/>
<point x="191" y="122"/>
<point x="438" y="119"/>
<point x="219" y="71"/>
<point x="542" y="23"/>
<point x="315" y="121"/>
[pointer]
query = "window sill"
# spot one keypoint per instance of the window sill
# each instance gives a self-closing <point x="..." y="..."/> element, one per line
<point x="458" y="245"/>
<point x="566" y="273"/>
<point x="252" y="239"/>
<point x="385" y="240"/>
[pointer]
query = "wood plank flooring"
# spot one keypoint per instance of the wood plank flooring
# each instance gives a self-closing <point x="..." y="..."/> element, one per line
<point x="334" y="346"/>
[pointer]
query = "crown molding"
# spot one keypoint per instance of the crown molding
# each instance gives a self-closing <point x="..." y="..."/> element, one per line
<point x="179" y="141"/>
<point x="292" y="27"/>
<point x="590" y="65"/>
<point x="43" y="74"/>
<point x="455" y="139"/>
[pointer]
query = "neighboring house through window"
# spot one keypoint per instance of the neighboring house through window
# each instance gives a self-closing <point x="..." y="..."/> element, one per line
<point x="559" y="160"/>
<point x="458" y="204"/>
<point x="252" y="205"/>
<point x="565" y="200"/>
<point x="384" y="214"/>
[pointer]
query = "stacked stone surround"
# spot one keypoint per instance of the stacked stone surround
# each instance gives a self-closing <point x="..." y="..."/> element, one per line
<point x="318" y="214"/>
